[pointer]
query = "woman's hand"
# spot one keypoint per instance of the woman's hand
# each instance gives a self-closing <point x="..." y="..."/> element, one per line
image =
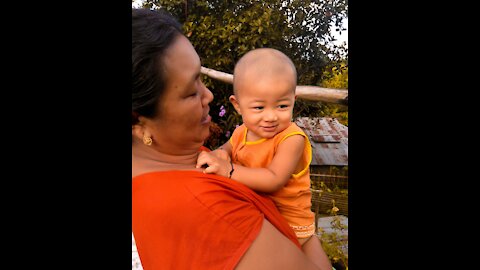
<point x="218" y="162"/>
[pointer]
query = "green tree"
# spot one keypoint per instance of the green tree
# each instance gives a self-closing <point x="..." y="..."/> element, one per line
<point x="223" y="31"/>
<point x="335" y="77"/>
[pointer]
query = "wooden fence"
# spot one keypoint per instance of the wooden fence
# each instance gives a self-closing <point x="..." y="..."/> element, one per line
<point x="316" y="93"/>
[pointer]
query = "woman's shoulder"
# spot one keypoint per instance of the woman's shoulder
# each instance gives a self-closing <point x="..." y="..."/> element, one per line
<point x="197" y="205"/>
<point x="178" y="174"/>
<point x="180" y="191"/>
<point x="214" y="199"/>
<point x="213" y="192"/>
<point x="196" y="182"/>
<point x="181" y="183"/>
<point x="166" y="179"/>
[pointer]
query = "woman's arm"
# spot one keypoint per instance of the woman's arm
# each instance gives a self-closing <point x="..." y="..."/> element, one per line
<point x="314" y="251"/>
<point x="272" y="250"/>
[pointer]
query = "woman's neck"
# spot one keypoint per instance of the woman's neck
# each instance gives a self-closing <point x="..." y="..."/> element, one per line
<point x="148" y="158"/>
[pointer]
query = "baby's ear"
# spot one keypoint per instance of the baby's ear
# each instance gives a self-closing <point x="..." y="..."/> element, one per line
<point x="234" y="102"/>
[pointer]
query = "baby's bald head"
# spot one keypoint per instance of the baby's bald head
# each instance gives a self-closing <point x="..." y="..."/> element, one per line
<point x="263" y="63"/>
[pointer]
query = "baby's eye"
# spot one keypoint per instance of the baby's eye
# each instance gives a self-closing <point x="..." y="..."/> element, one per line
<point x="258" y="108"/>
<point x="283" y="106"/>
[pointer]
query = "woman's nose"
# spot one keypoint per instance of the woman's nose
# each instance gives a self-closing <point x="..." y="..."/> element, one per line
<point x="207" y="95"/>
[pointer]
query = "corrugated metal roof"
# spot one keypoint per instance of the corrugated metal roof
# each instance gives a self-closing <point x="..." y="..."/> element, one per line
<point x="329" y="140"/>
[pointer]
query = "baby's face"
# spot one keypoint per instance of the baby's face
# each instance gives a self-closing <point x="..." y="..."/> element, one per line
<point x="266" y="104"/>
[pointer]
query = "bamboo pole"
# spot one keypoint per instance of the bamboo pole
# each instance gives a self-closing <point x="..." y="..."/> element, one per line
<point x="316" y="93"/>
<point x="217" y="75"/>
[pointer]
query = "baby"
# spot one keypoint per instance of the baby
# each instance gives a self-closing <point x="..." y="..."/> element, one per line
<point x="269" y="153"/>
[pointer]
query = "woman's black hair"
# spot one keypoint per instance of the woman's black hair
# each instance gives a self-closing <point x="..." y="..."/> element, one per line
<point x="153" y="32"/>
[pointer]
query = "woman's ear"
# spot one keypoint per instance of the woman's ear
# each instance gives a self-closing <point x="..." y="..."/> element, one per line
<point x="137" y="131"/>
<point x="234" y="102"/>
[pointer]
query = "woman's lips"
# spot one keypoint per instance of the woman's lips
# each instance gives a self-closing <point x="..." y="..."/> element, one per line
<point x="206" y="120"/>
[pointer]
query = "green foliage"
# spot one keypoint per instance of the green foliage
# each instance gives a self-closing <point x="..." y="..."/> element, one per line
<point x="223" y="31"/>
<point x="332" y="243"/>
<point x="336" y="76"/>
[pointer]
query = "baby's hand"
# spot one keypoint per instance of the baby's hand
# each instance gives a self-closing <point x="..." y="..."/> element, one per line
<point x="220" y="153"/>
<point x="215" y="164"/>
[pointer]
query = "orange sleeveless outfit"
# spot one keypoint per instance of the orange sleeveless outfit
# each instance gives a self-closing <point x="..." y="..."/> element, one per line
<point x="191" y="220"/>
<point x="294" y="199"/>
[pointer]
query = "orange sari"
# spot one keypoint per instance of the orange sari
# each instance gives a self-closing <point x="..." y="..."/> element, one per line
<point x="192" y="220"/>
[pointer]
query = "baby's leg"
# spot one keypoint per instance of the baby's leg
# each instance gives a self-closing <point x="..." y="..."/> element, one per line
<point x="312" y="247"/>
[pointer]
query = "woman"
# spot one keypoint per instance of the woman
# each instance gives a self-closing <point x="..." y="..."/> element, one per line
<point x="182" y="218"/>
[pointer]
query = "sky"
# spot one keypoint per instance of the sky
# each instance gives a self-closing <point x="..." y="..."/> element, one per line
<point x="344" y="36"/>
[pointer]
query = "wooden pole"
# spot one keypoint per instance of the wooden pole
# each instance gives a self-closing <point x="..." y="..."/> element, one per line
<point x="217" y="75"/>
<point x="316" y="93"/>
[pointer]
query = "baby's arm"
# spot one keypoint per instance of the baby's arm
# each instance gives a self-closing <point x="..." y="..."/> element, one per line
<point x="269" y="179"/>
<point x="224" y="151"/>
<point x="218" y="160"/>
<point x="280" y="170"/>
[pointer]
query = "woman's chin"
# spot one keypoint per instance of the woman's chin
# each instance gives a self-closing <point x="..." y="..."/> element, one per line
<point x="203" y="136"/>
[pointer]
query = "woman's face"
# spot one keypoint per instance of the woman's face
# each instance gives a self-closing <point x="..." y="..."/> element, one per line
<point x="183" y="120"/>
